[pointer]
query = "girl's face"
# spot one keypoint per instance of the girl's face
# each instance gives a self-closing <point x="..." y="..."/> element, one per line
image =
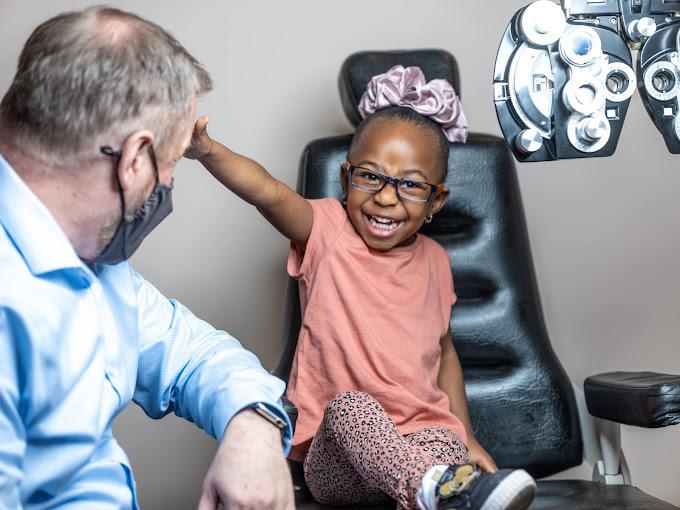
<point x="401" y="150"/>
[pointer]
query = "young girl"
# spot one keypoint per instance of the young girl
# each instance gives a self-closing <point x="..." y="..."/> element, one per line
<point x="376" y="380"/>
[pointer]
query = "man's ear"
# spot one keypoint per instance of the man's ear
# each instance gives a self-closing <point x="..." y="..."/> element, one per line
<point x="134" y="156"/>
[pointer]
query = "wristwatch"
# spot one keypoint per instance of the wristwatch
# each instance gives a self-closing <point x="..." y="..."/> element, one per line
<point x="269" y="415"/>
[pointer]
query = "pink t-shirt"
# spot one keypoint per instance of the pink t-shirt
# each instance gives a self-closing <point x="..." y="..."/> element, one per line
<point x="371" y="321"/>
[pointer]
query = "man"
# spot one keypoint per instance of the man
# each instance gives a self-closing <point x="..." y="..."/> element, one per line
<point x="100" y="110"/>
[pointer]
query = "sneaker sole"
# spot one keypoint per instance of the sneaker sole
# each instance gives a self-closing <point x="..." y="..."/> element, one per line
<point x="515" y="492"/>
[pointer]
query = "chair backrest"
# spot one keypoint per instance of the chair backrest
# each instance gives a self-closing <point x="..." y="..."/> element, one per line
<point x="521" y="402"/>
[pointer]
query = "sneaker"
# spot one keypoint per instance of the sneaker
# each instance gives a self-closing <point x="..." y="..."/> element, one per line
<point x="467" y="487"/>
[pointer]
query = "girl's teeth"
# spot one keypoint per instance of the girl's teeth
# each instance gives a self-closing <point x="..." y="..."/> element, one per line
<point x="383" y="224"/>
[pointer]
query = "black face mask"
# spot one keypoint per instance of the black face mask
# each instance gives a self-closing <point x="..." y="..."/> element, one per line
<point x="134" y="227"/>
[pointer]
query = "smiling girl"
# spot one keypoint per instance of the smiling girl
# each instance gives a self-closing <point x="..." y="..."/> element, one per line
<point x="376" y="380"/>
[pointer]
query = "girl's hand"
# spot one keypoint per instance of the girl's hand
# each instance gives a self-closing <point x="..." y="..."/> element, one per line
<point x="201" y="144"/>
<point x="478" y="455"/>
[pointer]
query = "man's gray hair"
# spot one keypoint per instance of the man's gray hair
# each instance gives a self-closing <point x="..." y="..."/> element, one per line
<point x="92" y="77"/>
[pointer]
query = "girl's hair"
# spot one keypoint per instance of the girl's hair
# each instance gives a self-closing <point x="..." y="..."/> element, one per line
<point x="410" y="116"/>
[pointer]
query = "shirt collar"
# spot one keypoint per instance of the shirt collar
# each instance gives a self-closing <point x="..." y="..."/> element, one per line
<point x="34" y="231"/>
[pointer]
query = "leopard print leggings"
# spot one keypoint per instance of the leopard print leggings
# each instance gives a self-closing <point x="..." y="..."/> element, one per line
<point x="358" y="456"/>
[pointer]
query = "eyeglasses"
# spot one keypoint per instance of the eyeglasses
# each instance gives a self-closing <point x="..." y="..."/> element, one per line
<point x="411" y="190"/>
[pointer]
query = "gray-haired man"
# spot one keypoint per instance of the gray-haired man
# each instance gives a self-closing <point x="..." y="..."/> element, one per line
<point x="100" y="110"/>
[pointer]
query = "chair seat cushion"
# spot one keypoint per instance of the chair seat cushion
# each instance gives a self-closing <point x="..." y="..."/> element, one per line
<point x="552" y="495"/>
<point x="585" y="495"/>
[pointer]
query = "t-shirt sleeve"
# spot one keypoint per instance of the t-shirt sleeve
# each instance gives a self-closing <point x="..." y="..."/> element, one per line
<point x="329" y="222"/>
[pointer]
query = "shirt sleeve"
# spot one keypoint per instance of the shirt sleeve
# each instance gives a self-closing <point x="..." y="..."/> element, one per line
<point x="200" y="373"/>
<point x="329" y="221"/>
<point x="12" y="430"/>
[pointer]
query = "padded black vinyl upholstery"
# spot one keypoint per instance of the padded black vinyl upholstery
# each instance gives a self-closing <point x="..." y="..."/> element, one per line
<point x="521" y="402"/>
<point x="643" y="399"/>
<point x="556" y="495"/>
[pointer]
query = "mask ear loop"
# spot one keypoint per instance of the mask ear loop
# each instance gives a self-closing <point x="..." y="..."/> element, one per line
<point x="108" y="151"/>
<point x="154" y="162"/>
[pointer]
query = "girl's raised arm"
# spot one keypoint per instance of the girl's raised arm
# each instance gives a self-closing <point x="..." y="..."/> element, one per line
<point x="287" y="211"/>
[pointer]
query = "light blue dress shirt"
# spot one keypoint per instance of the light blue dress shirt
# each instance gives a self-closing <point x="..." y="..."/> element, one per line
<point x="76" y="345"/>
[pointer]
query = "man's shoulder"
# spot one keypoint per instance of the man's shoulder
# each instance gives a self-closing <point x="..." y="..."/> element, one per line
<point x="39" y="303"/>
<point x="20" y="300"/>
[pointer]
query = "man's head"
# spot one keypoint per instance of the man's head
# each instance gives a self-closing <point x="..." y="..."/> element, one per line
<point x="92" y="77"/>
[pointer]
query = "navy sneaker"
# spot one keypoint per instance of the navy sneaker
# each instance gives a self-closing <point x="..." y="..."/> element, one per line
<point x="467" y="487"/>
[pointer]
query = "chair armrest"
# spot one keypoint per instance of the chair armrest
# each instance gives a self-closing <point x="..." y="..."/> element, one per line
<point x="290" y="409"/>
<point x="643" y="399"/>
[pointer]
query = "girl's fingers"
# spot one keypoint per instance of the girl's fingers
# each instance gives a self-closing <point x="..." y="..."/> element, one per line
<point x="202" y="124"/>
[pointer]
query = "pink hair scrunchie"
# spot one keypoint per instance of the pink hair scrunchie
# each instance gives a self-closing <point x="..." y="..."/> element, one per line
<point x="407" y="87"/>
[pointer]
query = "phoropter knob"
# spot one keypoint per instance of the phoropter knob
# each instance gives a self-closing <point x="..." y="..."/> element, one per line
<point x="528" y="141"/>
<point x="641" y="29"/>
<point x="592" y="129"/>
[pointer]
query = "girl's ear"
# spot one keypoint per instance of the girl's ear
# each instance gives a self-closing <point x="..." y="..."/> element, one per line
<point x="442" y="195"/>
<point x="344" y="169"/>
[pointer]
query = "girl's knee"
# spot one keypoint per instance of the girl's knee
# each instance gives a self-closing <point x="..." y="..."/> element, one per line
<point x="346" y="399"/>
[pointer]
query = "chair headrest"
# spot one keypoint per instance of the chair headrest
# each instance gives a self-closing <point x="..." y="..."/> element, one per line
<point x="358" y="69"/>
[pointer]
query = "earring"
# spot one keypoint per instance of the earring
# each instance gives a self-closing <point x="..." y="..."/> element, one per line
<point x="344" y="201"/>
<point x="428" y="218"/>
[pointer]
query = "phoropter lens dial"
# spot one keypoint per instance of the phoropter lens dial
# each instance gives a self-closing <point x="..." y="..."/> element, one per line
<point x="580" y="46"/>
<point x="542" y="23"/>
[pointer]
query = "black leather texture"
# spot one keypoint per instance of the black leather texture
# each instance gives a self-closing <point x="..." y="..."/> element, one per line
<point x="551" y="495"/>
<point x="359" y="68"/>
<point x="521" y="401"/>
<point x="643" y="399"/>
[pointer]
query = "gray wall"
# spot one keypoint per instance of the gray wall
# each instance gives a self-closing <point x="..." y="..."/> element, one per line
<point x="603" y="232"/>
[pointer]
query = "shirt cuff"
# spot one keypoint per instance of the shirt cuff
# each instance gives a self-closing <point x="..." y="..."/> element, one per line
<point x="287" y="431"/>
<point x="231" y="405"/>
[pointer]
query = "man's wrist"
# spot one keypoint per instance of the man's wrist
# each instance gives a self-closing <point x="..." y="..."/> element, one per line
<point x="266" y="413"/>
<point x="248" y="425"/>
<point x="247" y="422"/>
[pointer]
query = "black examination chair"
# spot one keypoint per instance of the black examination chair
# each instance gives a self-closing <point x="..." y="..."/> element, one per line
<point x="524" y="408"/>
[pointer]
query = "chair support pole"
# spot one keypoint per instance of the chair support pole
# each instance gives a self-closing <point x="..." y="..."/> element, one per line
<point x="602" y="446"/>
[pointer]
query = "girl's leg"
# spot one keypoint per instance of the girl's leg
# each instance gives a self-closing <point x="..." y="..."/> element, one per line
<point x="442" y="445"/>
<point x="359" y="431"/>
<point x="330" y="476"/>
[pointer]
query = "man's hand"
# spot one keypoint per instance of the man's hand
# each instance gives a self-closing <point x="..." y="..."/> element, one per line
<point x="249" y="471"/>
<point x="201" y="143"/>
<point x="478" y="455"/>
